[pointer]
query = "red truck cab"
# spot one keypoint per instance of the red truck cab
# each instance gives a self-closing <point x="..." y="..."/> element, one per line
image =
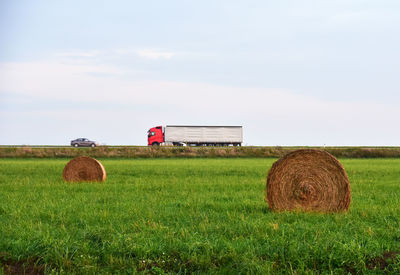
<point x="155" y="136"/>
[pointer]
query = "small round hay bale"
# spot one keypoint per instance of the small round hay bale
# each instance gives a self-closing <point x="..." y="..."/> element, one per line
<point x="82" y="169"/>
<point x="310" y="180"/>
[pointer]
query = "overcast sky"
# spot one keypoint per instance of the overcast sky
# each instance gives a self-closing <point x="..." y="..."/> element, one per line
<point x="295" y="72"/>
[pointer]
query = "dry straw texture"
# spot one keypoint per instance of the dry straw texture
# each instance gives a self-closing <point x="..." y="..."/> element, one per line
<point x="84" y="169"/>
<point x="310" y="180"/>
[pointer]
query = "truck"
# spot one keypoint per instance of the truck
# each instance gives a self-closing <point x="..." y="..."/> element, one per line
<point x="183" y="135"/>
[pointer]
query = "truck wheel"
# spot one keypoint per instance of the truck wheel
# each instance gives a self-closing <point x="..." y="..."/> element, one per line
<point x="93" y="145"/>
<point x="155" y="144"/>
<point x="76" y="145"/>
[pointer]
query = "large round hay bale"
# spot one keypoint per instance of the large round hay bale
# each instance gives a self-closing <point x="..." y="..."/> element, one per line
<point x="310" y="180"/>
<point x="84" y="168"/>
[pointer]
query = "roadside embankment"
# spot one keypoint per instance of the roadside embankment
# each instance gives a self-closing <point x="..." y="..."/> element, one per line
<point x="189" y="152"/>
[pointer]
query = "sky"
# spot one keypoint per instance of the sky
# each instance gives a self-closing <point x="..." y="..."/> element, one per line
<point x="300" y="72"/>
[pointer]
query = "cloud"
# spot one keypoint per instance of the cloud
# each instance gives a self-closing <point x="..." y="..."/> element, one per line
<point x="60" y="81"/>
<point x="155" y="54"/>
<point x="51" y="78"/>
<point x="79" y="54"/>
<point x="70" y="93"/>
<point x="114" y="53"/>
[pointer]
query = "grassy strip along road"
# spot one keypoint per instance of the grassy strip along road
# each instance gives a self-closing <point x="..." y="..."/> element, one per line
<point x="187" y="152"/>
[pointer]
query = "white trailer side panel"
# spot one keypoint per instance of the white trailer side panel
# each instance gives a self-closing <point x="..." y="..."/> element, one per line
<point x="204" y="134"/>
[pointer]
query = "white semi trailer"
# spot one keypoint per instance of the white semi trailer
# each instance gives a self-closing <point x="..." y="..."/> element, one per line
<point x="196" y="135"/>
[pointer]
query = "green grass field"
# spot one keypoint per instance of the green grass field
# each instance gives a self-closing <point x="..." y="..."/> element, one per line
<point x="191" y="216"/>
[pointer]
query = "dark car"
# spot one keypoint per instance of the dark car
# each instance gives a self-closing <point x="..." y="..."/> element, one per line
<point x="83" y="142"/>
